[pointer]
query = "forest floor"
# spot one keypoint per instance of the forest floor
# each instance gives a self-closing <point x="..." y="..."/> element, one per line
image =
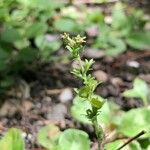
<point x="45" y="96"/>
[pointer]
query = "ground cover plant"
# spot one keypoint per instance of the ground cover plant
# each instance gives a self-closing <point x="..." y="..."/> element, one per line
<point x="23" y="38"/>
<point x="94" y="95"/>
<point x="27" y="27"/>
<point x="123" y="31"/>
<point x="74" y="45"/>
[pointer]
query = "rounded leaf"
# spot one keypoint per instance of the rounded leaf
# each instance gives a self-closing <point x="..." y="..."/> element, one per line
<point x="12" y="140"/>
<point x="47" y="136"/>
<point x="74" y="139"/>
<point x="134" y="121"/>
<point x="78" y="109"/>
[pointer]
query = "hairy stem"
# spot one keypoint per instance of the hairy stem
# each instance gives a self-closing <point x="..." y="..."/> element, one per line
<point x="99" y="132"/>
<point x="80" y="63"/>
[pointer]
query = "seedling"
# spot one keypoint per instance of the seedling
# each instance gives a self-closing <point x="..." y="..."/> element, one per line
<point x="75" y="46"/>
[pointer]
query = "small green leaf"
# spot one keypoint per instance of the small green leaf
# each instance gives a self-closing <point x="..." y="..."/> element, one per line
<point x="35" y="29"/>
<point x="47" y="46"/>
<point x="12" y="140"/>
<point x="110" y="114"/>
<point x="18" y="15"/>
<point x="3" y="65"/>
<point x="84" y="92"/>
<point x="74" y="139"/>
<point x="95" y="17"/>
<point x="23" y="43"/>
<point x="110" y="41"/>
<point x="107" y="112"/>
<point x="48" y="136"/>
<point x="6" y="82"/>
<point x="116" y="46"/>
<point x="26" y="55"/>
<point x="139" y="40"/>
<point x="3" y="54"/>
<point x="78" y="109"/>
<point x="134" y="121"/>
<point x="10" y="35"/>
<point x="65" y="25"/>
<point x="97" y="101"/>
<point x="44" y="4"/>
<point x="140" y="90"/>
<point x="118" y="14"/>
<point x="120" y="20"/>
<point x="4" y="57"/>
<point x="102" y="39"/>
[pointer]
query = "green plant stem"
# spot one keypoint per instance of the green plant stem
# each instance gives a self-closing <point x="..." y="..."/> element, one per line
<point x="80" y="63"/>
<point x="98" y="131"/>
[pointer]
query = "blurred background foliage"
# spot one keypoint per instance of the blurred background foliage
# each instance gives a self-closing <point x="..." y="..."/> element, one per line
<point x="30" y="32"/>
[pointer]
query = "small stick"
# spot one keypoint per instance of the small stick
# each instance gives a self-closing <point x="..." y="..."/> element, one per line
<point x="131" y="139"/>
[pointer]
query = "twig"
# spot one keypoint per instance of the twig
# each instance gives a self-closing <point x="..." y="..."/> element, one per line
<point x="131" y="139"/>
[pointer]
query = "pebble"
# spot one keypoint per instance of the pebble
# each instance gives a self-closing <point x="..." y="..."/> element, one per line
<point x="51" y="37"/>
<point x="4" y="121"/>
<point x="92" y="31"/>
<point x="38" y="105"/>
<point x="30" y="136"/>
<point x="27" y="105"/>
<point x="8" y="109"/>
<point x="47" y="99"/>
<point x="133" y="64"/>
<point x="57" y="112"/>
<point x="101" y="75"/>
<point x="103" y="92"/>
<point x="117" y="82"/>
<point x="66" y="95"/>
<point x="113" y="91"/>
<point x="93" y="53"/>
<point x="24" y="135"/>
<point x="108" y="19"/>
